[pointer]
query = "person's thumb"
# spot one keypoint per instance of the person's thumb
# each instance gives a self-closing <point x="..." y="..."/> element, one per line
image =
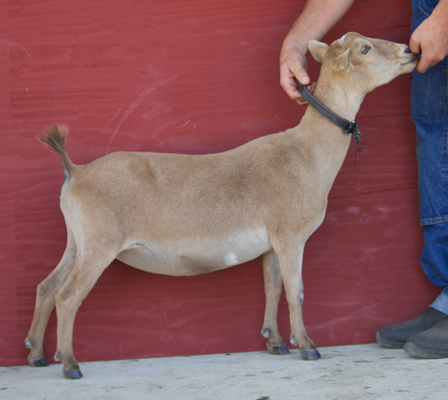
<point x="303" y="78"/>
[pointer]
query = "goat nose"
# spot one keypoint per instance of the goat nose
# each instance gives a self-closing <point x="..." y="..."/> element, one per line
<point x="408" y="50"/>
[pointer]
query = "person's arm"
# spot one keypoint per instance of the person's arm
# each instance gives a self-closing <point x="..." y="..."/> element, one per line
<point x="316" y="19"/>
<point x="430" y="39"/>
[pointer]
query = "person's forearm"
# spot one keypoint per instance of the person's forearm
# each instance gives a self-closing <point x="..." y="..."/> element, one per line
<point x="316" y="19"/>
<point x="441" y="9"/>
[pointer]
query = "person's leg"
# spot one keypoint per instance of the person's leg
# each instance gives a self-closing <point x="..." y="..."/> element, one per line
<point x="434" y="260"/>
<point x="430" y="115"/>
<point x="433" y="342"/>
<point x="428" y="332"/>
<point x="441" y="303"/>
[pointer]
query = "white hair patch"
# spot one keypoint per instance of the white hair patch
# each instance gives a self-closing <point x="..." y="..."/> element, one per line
<point x="230" y="259"/>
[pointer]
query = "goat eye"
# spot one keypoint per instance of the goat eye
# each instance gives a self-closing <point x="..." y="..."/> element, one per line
<point x="365" y="49"/>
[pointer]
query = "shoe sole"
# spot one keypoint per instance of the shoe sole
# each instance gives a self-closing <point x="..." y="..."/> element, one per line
<point x="418" y="352"/>
<point x="389" y="344"/>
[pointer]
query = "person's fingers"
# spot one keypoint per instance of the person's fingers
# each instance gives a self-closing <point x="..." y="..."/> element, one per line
<point x="289" y="79"/>
<point x="291" y="90"/>
<point x="424" y="64"/>
<point x="288" y="82"/>
<point x="303" y="77"/>
<point x="414" y="45"/>
<point x="429" y="58"/>
<point x="310" y="88"/>
<point x="302" y="101"/>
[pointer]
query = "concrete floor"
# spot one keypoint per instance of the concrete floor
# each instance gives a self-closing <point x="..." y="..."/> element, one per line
<point x="345" y="373"/>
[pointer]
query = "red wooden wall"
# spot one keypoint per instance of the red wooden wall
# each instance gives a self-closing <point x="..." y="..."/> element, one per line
<point x="195" y="76"/>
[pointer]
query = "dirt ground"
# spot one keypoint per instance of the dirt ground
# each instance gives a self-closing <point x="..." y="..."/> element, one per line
<point x="344" y="373"/>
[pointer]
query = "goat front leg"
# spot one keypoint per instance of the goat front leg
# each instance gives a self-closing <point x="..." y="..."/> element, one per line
<point x="88" y="268"/>
<point x="273" y="290"/>
<point x="290" y="261"/>
<point x="45" y="304"/>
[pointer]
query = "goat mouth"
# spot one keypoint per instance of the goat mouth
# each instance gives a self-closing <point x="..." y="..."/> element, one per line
<point x="414" y="59"/>
<point x="409" y="62"/>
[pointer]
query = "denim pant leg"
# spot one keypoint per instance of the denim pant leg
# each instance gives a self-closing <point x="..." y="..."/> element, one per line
<point x="434" y="261"/>
<point x="430" y="115"/>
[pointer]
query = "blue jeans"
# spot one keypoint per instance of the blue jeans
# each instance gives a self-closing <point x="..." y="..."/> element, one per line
<point x="430" y="115"/>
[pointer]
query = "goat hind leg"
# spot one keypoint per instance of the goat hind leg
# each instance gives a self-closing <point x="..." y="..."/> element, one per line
<point x="45" y="304"/>
<point x="88" y="268"/>
<point x="273" y="291"/>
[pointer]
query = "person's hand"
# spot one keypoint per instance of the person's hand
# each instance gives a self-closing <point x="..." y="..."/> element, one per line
<point x="316" y="19"/>
<point x="430" y="40"/>
<point x="293" y="68"/>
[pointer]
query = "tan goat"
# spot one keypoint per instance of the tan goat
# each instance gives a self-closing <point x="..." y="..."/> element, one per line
<point x="184" y="215"/>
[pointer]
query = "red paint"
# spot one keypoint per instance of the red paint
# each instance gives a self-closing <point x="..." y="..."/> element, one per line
<point x="195" y="77"/>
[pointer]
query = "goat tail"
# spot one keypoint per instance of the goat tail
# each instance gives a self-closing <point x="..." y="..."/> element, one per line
<point x="55" y="138"/>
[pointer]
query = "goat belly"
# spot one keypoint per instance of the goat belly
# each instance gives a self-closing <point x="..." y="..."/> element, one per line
<point x="194" y="257"/>
<point x="164" y="263"/>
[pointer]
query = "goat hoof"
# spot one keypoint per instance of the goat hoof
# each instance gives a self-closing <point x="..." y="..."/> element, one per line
<point x="309" y="354"/>
<point x="280" y="350"/>
<point x="73" y="374"/>
<point x="41" y="362"/>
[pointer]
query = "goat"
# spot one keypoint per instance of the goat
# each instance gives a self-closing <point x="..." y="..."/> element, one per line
<point x="184" y="215"/>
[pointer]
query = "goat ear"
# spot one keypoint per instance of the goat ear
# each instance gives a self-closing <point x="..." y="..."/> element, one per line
<point x="317" y="49"/>
<point x="342" y="62"/>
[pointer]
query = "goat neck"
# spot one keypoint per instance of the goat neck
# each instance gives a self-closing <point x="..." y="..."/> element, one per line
<point x="324" y="143"/>
<point x="338" y="96"/>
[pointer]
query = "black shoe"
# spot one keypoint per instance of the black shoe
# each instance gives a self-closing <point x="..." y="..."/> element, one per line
<point x="432" y="343"/>
<point x="394" y="336"/>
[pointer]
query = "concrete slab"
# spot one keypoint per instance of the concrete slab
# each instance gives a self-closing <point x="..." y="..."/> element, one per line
<point x="345" y="373"/>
